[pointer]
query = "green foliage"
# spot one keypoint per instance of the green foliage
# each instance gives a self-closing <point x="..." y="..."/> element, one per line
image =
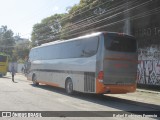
<point x="20" y="52"/>
<point x="47" y="28"/>
<point x="85" y="5"/>
<point x="58" y="26"/>
<point x="6" y="36"/>
<point x="8" y="47"/>
<point x="6" y="40"/>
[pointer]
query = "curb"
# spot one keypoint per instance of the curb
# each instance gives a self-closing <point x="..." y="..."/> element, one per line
<point x="147" y="91"/>
<point x="138" y="103"/>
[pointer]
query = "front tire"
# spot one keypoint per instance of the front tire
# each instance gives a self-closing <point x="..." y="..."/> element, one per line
<point x="69" y="87"/>
<point x="34" y="80"/>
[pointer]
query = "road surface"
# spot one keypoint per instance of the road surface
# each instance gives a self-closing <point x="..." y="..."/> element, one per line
<point x="23" y="96"/>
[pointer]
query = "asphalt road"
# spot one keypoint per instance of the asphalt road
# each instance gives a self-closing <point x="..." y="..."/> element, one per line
<point x="23" y="96"/>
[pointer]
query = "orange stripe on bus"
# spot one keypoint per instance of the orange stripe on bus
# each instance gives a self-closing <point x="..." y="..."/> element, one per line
<point x="117" y="89"/>
<point x="48" y="83"/>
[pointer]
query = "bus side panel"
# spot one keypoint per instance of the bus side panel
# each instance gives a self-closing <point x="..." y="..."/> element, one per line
<point x="78" y="80"/>
<point x="58" y="70"/>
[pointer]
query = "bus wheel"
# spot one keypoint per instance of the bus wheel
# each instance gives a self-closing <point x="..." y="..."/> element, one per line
<point x="34" y="80"/>
<point x="69" y="86"/>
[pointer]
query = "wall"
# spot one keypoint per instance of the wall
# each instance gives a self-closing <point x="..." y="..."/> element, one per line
<point x="146" y="29"/>
<point x="149" y="66"/>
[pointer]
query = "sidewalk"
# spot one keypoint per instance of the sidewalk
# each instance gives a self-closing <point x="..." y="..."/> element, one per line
<point x="141" y="97"/>
<point x="147" y="91"/>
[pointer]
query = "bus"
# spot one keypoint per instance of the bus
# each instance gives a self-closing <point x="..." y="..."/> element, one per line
<point x="100" y="63"/>
<point x="3" y="65"/>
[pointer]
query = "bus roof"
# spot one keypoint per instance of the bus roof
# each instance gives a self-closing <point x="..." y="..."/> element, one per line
<point x="73" y="39"/>
<point x="77" y="38"/>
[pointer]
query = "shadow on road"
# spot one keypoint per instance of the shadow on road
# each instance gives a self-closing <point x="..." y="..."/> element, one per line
<point x="6" y="77"/>
<point x="113" y="102"/>
<point x="9" y="78"/>
<point x="15" y="82"/>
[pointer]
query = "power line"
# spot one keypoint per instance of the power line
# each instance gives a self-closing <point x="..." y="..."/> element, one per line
<point x="110" y="11"/>
<point x="81" y="12"/>
<point x="81" y="26"/>
<point x="110" y="17"/>
<point x="154" y="11"/>
<point x="131" y="18"/>
<point x="115" y="15"/>
<point x="83" y="8"/>
<point x="92" y="17"/>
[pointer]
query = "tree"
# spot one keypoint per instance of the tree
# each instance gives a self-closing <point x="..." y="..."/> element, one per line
<point x="47" y="29"/>
<point x="20" y="52"/>
<point x="8" y="46"/>
<point x="6" y="36"/>
<point x="71" y="24"/>
<point x="6" y="40"/>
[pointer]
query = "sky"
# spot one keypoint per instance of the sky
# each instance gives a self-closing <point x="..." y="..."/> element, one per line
<point x="21" y="15"/>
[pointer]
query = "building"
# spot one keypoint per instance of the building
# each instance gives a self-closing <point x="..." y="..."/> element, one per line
<point x="21" y="41"/>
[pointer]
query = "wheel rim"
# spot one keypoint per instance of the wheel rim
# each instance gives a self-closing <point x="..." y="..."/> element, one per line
<point x="69" y="87"/>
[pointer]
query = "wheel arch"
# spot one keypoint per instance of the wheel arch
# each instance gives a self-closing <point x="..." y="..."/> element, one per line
<point x="69" y="82"/>
<point x="68" y="78"/>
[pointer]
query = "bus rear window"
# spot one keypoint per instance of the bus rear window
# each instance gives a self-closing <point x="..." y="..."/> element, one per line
<point x="3" y="58"/>
<point x="120" y="43"/>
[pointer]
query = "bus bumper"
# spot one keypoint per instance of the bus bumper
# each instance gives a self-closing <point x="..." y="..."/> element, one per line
<point x="114" y="89"/>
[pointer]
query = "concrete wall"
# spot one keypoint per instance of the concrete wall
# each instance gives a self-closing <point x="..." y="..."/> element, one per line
<point x="146" y="28"/>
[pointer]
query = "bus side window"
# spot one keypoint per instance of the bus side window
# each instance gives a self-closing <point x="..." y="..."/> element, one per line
<point x="78" y="47"/>
<point x="90" y="47"/>
<point x="34" y="55"/>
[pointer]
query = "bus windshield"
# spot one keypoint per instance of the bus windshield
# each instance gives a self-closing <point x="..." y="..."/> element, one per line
<point x="120" y="43"/>
<point x="3" y="58"/>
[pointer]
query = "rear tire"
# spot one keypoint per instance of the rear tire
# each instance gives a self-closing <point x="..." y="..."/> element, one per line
<point x="69" y="87"/>
<point x="34" y="80"/>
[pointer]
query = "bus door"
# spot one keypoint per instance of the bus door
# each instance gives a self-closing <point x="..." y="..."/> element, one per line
<point x="120" y="59"/>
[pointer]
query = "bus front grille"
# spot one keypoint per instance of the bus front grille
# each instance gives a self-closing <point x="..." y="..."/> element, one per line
<point x="89" y="82"/>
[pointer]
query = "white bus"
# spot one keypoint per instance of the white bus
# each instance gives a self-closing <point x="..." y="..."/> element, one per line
<point x="103" y="62"/>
